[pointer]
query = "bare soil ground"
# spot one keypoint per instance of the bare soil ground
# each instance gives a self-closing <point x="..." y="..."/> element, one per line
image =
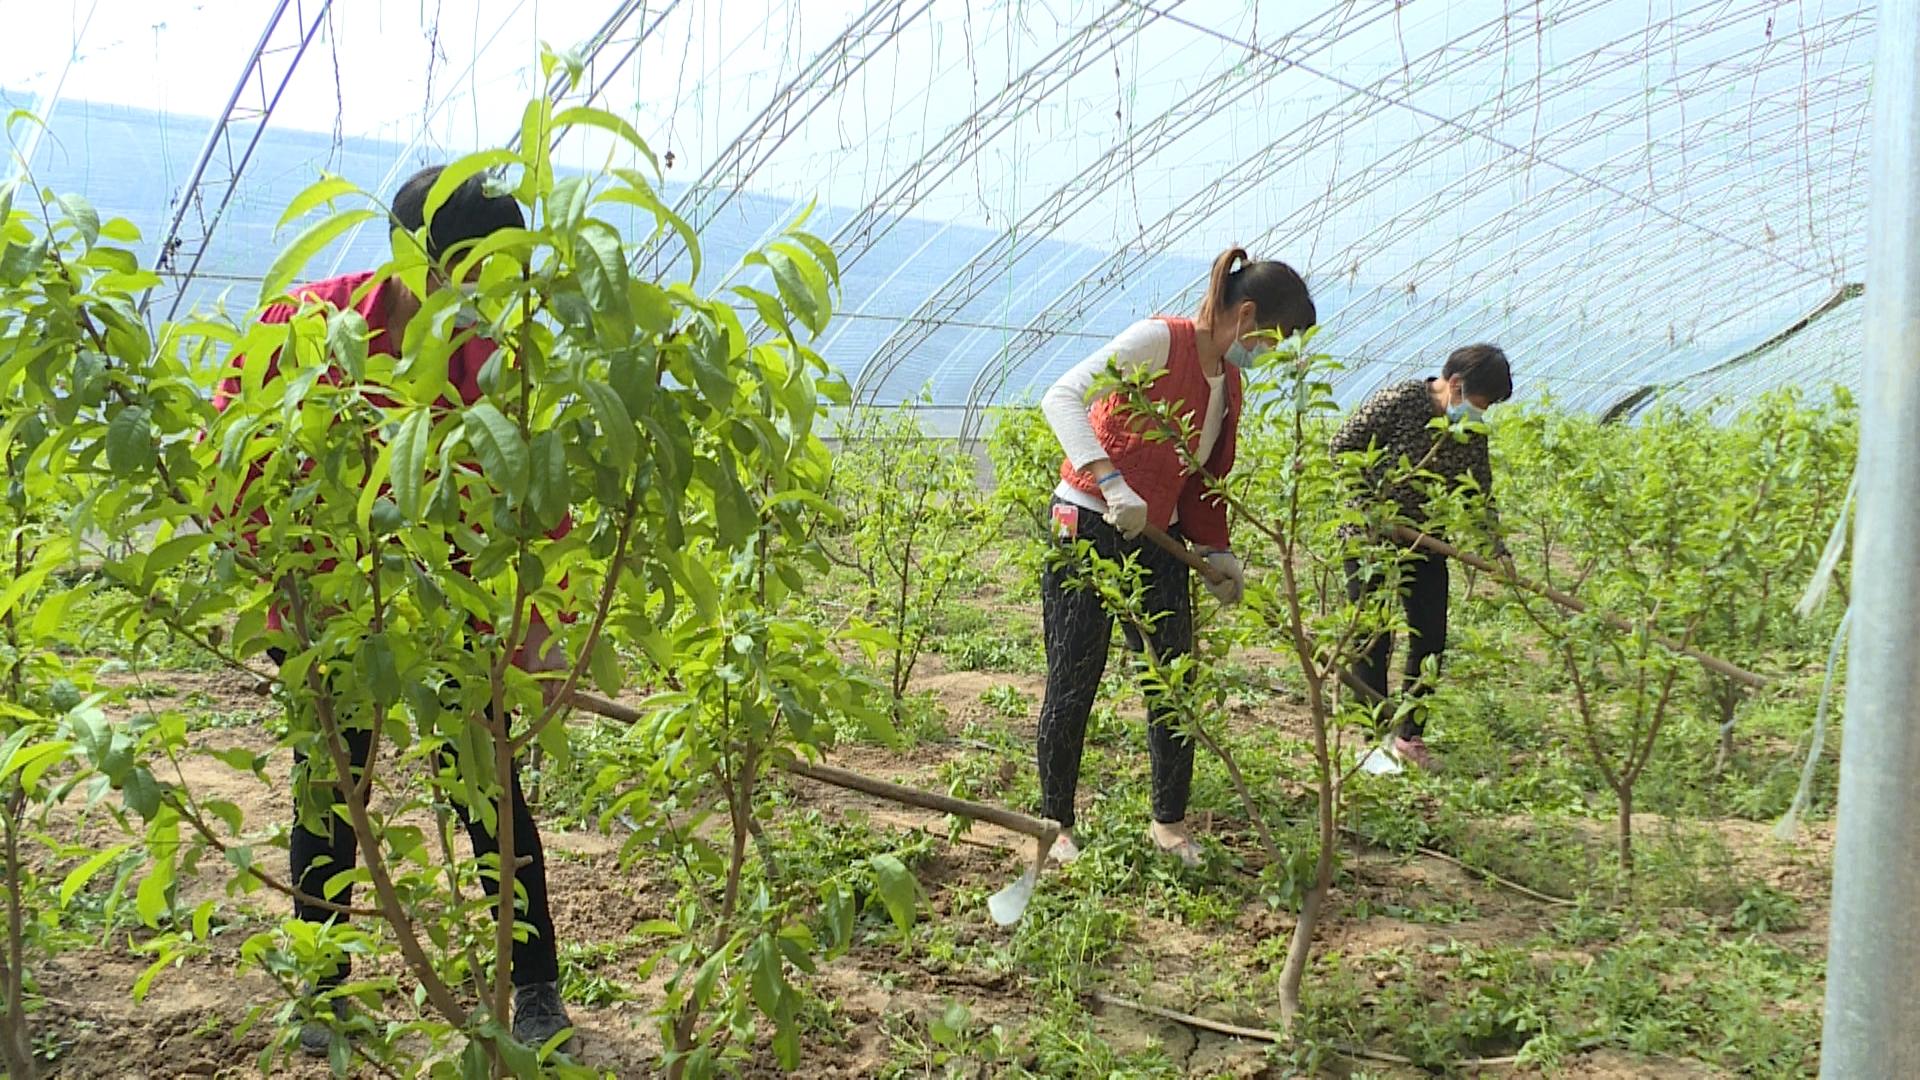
<point x="187" y="1026"/>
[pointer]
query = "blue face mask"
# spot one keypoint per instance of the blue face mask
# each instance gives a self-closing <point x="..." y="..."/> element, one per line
<point x="1465" y="410"/>
<point x="1239" y="356"/>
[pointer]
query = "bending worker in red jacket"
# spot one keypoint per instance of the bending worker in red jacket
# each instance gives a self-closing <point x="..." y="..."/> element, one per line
<point x="470" y="214"/>
<point x="1114" y="482"/>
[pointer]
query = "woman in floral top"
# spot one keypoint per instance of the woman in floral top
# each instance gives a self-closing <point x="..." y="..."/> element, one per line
<point x="1397" y="420"/>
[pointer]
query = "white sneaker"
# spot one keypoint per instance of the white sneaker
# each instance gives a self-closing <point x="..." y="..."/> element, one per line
<point x="1174" y="840"/>
<point x="1064" y="850"/>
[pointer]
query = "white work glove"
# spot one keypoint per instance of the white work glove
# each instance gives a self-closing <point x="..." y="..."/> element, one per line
<point x="1233" y="577"/>
<point x="1126" y="510"/>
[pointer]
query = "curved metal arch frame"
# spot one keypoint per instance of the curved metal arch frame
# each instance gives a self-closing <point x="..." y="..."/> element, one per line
<point x="881" y="214"/>
<point x="1563" y="194"/>
<point x="1570" y="262"/>
<point x="863" y="232"/>
<point x="1072" y="303"/>
<point x="558" y="91"/>
<point x="1567" y="182"/>
<point x="796" y="101"/>
<point x="1842" y="354"/>
<point x="174" y="243"/>
<point x="961" y="288"/>
<point x="562" y="91"/>
<point x="1474" y="133"/>
<point x="1817" y="324"/>
<point x="1604" y="365"/>
<point x="1467" y="186"/>
<point x="1390" y="166"/>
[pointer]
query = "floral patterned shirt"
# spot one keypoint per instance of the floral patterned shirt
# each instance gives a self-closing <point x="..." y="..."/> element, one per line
<point x="1395" y="418"/>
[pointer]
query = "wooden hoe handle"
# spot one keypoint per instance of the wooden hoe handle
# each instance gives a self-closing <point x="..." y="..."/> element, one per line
<point x="1011" y="820"/>
<point x="1410" y="538"/>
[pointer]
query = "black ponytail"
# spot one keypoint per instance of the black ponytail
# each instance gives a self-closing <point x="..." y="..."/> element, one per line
<point x="1280" y="298"/>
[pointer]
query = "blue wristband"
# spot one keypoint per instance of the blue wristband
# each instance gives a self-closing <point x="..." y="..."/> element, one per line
<point x="1109" y="478"/>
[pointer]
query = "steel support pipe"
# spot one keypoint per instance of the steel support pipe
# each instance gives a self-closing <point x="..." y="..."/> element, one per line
<point x="1873" y="949"/>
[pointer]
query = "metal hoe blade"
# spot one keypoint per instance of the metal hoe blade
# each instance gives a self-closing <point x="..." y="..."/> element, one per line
<point x="1380" y="763"/>
<point x="1009" y="905"/>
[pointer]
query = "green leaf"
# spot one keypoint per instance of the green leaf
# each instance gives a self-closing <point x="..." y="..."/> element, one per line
<point x="602" y="266"/>
<point x="503" y="454"/>
<point x="802" y="286"/>
<point x="347" y="335"/>
<point x="151" y="901"/>
<point x="551" y="485"/>
<point x="171" y="554"/>
<point x="616" y="424"/>
<point x="33" y="761"/>
<point x="821" y="250"/>
<point x="536" y="124"/>
<point x="84" y="218"/>
<point x="639" y="192"/>
<point x="142" y="792"/>
<point x="786" y="1044"/>
<point x="378" y="668"/>
<point x="295" y="257"/>
<point x="897" y="889"/>
<point x="78" y="877"/>
<point x="229" y="813"/>
<point x="144" y="983"/>
<point x="604" y="664"/>
<point x="605" y="121"/>
<point x="409" y="469"/>
<point x="324" y="190"/>
<point x="763" y="960"/>
<point x="130" y="449"/>
<point x="116" y="229"/>
<point x="457" y="172"/>
<point x="474" y="1063"/>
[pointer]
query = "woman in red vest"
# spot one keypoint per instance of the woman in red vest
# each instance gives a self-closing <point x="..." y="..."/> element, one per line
<point x="470" y="214"/>
<point x="1114" y="482"/>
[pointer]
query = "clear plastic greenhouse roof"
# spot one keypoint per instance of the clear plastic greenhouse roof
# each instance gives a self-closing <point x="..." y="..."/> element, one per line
<point x="1622" y="194"/>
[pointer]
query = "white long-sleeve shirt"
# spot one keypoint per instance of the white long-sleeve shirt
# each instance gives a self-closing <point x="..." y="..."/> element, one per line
<point x="1068" y="403"/>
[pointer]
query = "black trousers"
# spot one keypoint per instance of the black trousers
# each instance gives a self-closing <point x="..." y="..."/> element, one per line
<point x="317" y="857"/>
<point x="1423" y="589"/>
<point x="1078" y="630"/>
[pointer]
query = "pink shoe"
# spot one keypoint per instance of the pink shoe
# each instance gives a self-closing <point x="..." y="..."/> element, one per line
<point x="1414" y="752"/>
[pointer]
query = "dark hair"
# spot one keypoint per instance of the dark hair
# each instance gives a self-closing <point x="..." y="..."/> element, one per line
<point x="1280" y="299"/>
<point x="468" y="214"/>
<point x="1483" y="372"/>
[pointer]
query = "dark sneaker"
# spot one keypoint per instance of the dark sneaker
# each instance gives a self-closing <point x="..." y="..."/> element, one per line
<point x="539" y="1015"/>
<point x="316" y="1036"/>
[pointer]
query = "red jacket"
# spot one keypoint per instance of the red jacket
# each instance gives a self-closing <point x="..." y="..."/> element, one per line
<point x="1154" y="468"/>
<point x="463" y="370"/>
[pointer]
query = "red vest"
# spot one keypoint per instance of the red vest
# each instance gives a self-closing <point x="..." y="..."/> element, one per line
<point x="1154" y="468"/>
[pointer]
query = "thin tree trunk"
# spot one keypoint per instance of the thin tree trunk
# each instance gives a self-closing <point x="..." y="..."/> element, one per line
<point x="1625" y="794"/>
<point x="503" y="904"/>
<point x="1727" y="698"/>
<point x="740" y="812"/>
<point x="1300" y="949"/>
<point x="18" y="1044"/>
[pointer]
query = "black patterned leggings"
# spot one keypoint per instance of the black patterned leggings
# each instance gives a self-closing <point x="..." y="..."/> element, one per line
<point x="1078" y="631"/>
<point x="316" y="857"/>
<point x="1423" y="590"/>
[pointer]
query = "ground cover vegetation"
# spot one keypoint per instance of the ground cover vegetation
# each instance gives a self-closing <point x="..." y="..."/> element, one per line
<point x="1589" y="888"/>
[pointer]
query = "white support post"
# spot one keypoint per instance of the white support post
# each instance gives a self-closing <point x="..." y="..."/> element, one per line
<point x="1873" y="957"/>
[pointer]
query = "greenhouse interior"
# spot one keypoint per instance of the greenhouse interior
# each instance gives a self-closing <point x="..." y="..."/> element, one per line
<point x="1056" y="538"/>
